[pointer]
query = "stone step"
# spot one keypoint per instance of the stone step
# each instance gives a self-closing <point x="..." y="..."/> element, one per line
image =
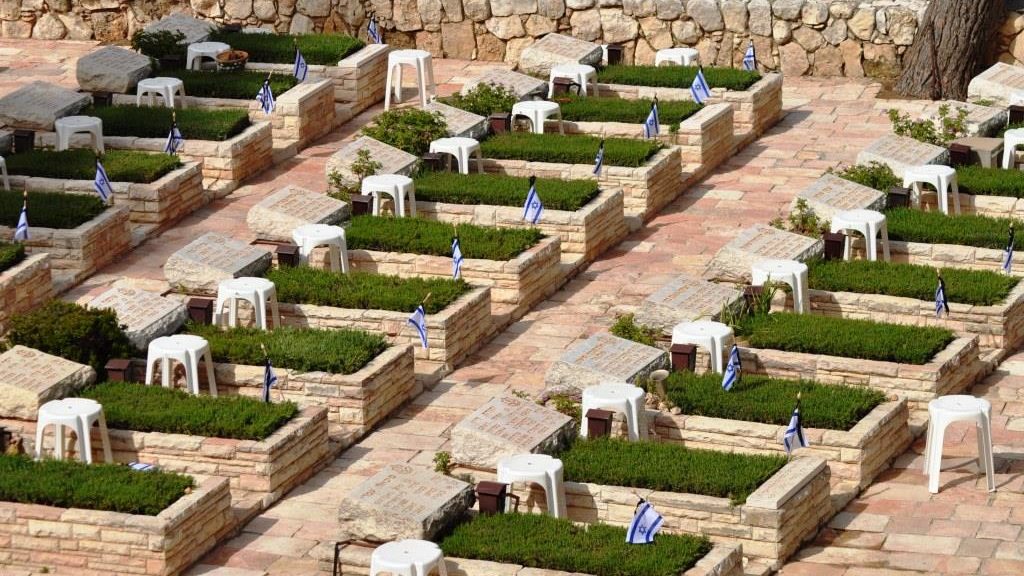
<point x="284" y="149"/>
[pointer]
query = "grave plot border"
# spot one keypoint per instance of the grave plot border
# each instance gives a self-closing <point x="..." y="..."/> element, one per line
<point x="25" y="287"/>
<point x="940" y="255"/>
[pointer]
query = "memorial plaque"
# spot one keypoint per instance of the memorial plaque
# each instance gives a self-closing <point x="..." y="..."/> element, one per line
<point x="30" y="378"/>
<point x="460" y="122"/>
<point x="555" y="49"/>
<point x="1003" y="84"/>
<point x="981" y="120"/>
<point x="759" y="242"/>
<point x="277" y="215"/>
<point x="604" y="358"/>
<point x="507" y="426"/>
<point x="145" y="315"/>
<point x="521" y="85"/>
<point x="195" y="30"/>
<point x="112" y="69"/>
<point x="685" y="299"/>
<point x="830" y="194"/>
<point x="37" y="106"/>
<point x="201" y="265"/>
<point x="403" y="501"/>
<point x="392" y="160"/>
<point x="901" y="152"/>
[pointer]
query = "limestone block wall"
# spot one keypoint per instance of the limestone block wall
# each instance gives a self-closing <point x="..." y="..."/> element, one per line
<point x="25" y="287"/>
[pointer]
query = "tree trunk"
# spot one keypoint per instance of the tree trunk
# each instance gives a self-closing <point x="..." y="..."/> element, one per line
<point x="955" y="41"/>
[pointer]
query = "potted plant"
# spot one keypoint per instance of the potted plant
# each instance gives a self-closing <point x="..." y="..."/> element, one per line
<point x="164" y="47"/>
<point x="232" y="60"/>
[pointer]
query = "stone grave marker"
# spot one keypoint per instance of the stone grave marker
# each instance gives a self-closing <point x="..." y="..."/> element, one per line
<point x="554" y="49"/>
<point x="685" y="299"/>
<point x="1002" y="83"/>
<point x="830" y="194"/>
<point x="274" y="217"/>
<point x="981" y="120"/>
<point x="202" y="264"/>
<point x="112" y="69"/>
<point x="195" y="30"/>
<point x="778" y="489"/>
<point x="732" y="263"/>
<point x="603" y="358"/>
<point x="506" y="426"/>
<point x="37" y="105"/>
<point x="901" y="152"/>
<point x="460" y="122"/>
<point x="519" y="84"/>
<point x="146" y="315"/>
<point x="403" y="501"/>
<point x="30" y="378"/>
<point x="392" y="160"/>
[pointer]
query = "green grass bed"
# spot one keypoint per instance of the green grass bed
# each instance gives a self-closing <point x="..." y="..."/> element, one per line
<point x="501" y="190"/>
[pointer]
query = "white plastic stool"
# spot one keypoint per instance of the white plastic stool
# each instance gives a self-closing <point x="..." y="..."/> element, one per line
<point x="420" y="61"/>
<point x="309" y="236"/>
<point x="538" y="111"/>
<point x="3" y="171"/>
<point x="790" y="272"/>
<point x="870" y="223"/>
<point x="257" y="291"/>
<point x="69" y="125"/>
<point x="677" y="56"/>
<point x="579" y="73"/>
<point x="943" y="178"/>
<point x="624" y="398"/>
<point x="79" y="417"/>
<point x="162" y="85"/>
<point x="1010" y="140"/>
<point x="711" y="335"/>
<point x="460" y="148"/>
<point x="91" y="412"/>
<point x="401" y="189"/>
<point x="539" y="469"/>
<point x="942" y="412"/>
<point x="186" y="349"/>
<point x="199" y="50"/>
<point x="408" y="558"/>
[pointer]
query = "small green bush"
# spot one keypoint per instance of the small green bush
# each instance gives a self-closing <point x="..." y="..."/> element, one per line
<point x="502" y="190"/>
<point x="324" y="49"/>
<point x="949" y="127"/>
<point x="626" y="327"/>
<point x="364" y="291"/>
<point x="130" y="406"/>
<point x="80" y="164"/>
<point x="72" y="484"/>
<point x="336" y="351"/>
<point x="418" y="236"/>
<point x="483" y="99"/>
<point x="409" y="129"/>
<point x="232" y="84"/>
<point x="538" y="541"/>
<point x="676" y="76"/>
<point x="159" y="44"/>
<point x="612" y="109"/>
<point x="668" y="467"/>
<point x="568" y="149"/>
<point x="910" y="225"/>
<point x="73" y="332"/>
<point x="49" y="209"/>
<point x="975" y="287"/>
<point x="873" y="175"/>
<point x="848" y="338"/>
<point x="983" y="181"/>
<point x="155" y="122"/>
<point x="771" y="400"/>
<point x="10" y="255"/>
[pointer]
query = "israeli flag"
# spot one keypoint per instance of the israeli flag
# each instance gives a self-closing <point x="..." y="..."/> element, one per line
<point x="599" y="159"/>
<point x="419" y="322"/>
<point x="732" y="369"/>
<point x="301" y="69"/>
<point x="266" y="98"/>
<point x="749" y="59"/>
<point x="646" y="523"/>
<point x="699" y="89"/>
<point x="373" y="31"/>
<point x="269" y="379"/>
<point x="940" y="299"/>
<point x="140" y="467"/>
<point x="21" y="231"/>
<point x="1008" y="254"/>
<point x="653" y="124"/>
<point x="102" y="183"/>
<point x="796" y="431"/>
<point x="174" y="140"/>
<point x="533" y="207"/>
<point x="456" y="259"/>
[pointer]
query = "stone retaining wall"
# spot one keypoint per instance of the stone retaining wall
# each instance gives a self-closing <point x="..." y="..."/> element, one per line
<point x="76" y="541"/>
<point x="589" y="231"/>
<point x="75" y="253"/>
<point x="25" y="287"/>
<point x="941" y="255"/>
